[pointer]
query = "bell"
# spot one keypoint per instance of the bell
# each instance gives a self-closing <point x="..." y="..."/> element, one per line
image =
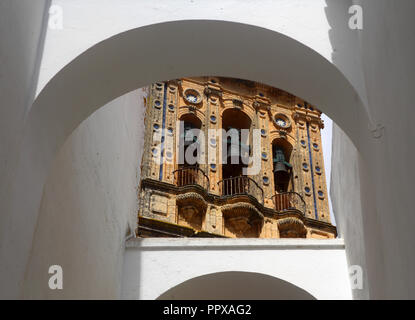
<point x="281" y="173"/>
<point x="281" y="170"/>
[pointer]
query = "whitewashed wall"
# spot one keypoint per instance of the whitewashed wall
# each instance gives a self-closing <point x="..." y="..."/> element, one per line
<point x="86" y="23"/>
<point x="378" y="62"/>
<point x="378" y="232"/>
<point x="92" y="21"/>
<point x="153" y="266"/>
<point x="22" y="33"/>
<point x="89" y="205"/>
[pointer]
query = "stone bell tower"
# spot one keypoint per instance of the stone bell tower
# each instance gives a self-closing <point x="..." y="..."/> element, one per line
<point x="194" y="182"/>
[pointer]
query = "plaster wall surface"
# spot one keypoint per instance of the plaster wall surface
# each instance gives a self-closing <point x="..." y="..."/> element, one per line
<point x="345" y="172"/>
<point x="89" y="205"/>
<point x="92" y="21"/>
<point x="21" y="44"/>
<point x="22" y="33"/>
<point x="382" y="225"/>
<point x="153" y="266"/>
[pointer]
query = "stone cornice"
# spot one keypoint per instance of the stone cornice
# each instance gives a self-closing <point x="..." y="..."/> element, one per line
<point x="233" y="244"/>
<point x="222" y="200"/>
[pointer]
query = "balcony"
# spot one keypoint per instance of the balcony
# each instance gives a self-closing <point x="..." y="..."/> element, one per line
<point x="241" y="185"/>
<point x="191" y="175"/>
<point x="191" y="204"/>
<point x="242" y="217"/>
<point x="290" y="204"/>
<point x="289" y="201"/>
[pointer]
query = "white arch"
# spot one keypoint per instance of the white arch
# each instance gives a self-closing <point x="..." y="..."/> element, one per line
<point x="235" y="285"/>
<point x="152" y="53"/>
<point x="154" y="265"/>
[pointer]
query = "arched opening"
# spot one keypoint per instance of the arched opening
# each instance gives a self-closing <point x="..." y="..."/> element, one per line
<point x="82" y="87"/>
<point x="282" y="167"/>
<point x="235" y="285"/>
<point x="235" y="144"/>
<point x="189" y="144"/>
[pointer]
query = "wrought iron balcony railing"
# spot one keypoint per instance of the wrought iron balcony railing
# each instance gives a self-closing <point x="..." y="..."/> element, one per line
<point x="241" y="185"/>
<point x="191" y="176"/>
<point x="289" y="201"/>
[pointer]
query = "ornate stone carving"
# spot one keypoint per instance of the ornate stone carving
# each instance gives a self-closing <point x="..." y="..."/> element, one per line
<point x="291" y="227"/>
<point x="239" y="211"/>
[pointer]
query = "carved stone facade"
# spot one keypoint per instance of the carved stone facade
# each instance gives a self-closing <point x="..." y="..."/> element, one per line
<point x="285" y="198"/>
